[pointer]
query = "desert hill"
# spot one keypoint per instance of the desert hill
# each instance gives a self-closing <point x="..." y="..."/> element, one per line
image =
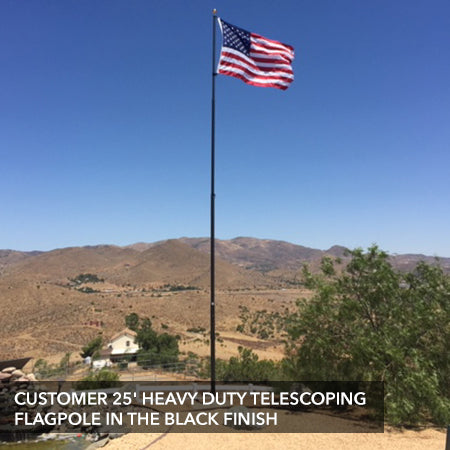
<point x="175" y="262"/>
<point x="11" y="257"/>
<point x="165" y="262"/>
<point x="61" y="264"/>
<point x="263" y="255"/>
<point x="409" y="261"/>
<point x="51" y="307"/>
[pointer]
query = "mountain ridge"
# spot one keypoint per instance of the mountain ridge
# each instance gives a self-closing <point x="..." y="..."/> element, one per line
<point x="261" y="255"/>
<point x="266" y="255"/>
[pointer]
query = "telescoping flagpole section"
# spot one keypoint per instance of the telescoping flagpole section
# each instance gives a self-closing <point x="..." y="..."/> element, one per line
<point x="213" y="198"/>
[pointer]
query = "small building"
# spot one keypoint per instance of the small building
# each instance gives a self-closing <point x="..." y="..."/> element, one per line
<point x="123" y="346"/>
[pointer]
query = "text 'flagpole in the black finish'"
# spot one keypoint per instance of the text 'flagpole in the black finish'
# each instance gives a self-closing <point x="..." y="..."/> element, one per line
<point x="213" y="197"/>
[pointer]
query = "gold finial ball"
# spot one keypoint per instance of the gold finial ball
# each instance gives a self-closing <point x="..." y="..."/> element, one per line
<point x="214" y="11"/>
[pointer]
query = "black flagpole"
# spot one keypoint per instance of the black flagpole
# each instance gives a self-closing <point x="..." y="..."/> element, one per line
<point x="213" y="196"/>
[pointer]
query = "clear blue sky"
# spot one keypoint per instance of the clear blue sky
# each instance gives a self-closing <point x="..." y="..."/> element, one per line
<point x="105" y="125"/>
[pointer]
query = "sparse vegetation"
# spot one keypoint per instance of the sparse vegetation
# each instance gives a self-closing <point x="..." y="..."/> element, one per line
<point x="44" y="371"/>
<point x="87" y="290"/>
<point x="83" y="278"/>
<point x="178" y="287"/>
<point x="102" y="379"/>
<point x="196" y="330"/>
<point x="261" y="323"/>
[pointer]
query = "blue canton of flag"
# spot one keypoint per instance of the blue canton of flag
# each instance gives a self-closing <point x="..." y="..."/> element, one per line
<point x="237" y="38"/>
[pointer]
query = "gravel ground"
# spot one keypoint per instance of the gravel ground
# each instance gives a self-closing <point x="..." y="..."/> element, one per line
<point x="390" y="440"/>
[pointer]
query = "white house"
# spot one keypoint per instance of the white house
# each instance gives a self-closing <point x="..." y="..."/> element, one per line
<point x="123" y="345"/>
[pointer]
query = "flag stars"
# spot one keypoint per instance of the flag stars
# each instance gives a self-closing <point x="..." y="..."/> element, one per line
<point x="236" y="38"/>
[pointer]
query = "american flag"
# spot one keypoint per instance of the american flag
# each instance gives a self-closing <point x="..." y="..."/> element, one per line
<point x="255" y="59"/>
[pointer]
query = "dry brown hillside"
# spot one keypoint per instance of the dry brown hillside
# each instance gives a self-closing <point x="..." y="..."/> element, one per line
<point x="45" y="312"/>
<point x="11" y="257"/>
<point x="68" y="262"/>
<point x="263" y="255"/>
<point x="176" y="262"/>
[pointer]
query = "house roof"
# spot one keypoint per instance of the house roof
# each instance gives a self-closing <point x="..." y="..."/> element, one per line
<point x="126" y="332"/>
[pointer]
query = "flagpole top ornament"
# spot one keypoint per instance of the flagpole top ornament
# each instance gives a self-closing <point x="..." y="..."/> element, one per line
<point x="214" y="11"/>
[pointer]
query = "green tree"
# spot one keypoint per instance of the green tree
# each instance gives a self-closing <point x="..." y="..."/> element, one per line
<point x="372" y="323"/>
<point x="132" y="321"/>
<point x="92" y="347"/>
<point x="246" y="367"/>
<point x="147" y="337"/>
<point x="155" y="348"/>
